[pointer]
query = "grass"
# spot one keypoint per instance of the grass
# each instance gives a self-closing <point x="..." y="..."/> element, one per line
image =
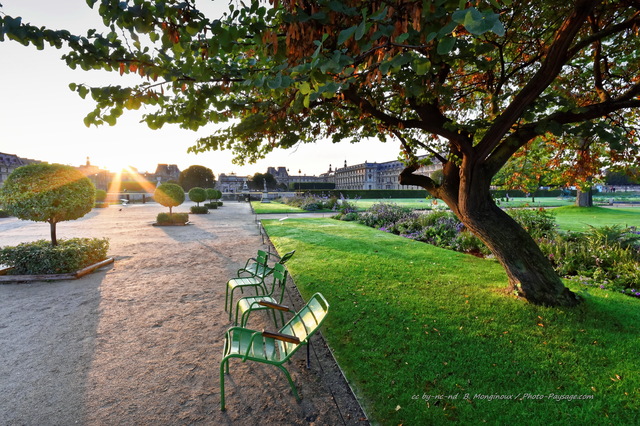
<point x="413" y="203"/>
<point x="573" y="218"/>
<point x="426" y="336"/>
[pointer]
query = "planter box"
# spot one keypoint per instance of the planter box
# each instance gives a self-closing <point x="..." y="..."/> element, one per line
<point x="53" y="277"/>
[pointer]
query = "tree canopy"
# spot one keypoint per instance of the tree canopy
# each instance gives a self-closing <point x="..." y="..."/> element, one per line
<point x="169" y="195"/>
<point x="470" y="83"/>
<point x="48" y="193"/>
<point x="196" y="176"/>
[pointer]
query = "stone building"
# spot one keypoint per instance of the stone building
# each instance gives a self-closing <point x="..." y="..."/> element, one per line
<point x="10" y="162"/>
<point x="232" y="183"/>
<point x="166" y="172"/>
<point x="282" y="176"/>
<point x="374" y="175"/>
<point x="100" y="177"/>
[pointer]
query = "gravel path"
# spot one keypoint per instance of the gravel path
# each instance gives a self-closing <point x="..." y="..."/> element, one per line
<point x="139" y="342"/>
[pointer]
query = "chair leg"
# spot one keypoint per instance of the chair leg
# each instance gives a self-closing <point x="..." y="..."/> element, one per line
<point x="222" y="366"/>
<point x="308" y="358"/>
<point x="293" y="386"/>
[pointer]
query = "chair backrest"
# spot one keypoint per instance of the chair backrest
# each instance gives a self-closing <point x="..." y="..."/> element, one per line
<point x="262" y="257"/>
<point x="286" y="257"/>
<point x="279" y="280"/>
<point x="305" y="323"/>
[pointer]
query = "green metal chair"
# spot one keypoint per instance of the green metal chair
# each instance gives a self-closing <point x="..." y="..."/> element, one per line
<point x="246" y="305"/>
<point x="257" y="269"/>
<point x="255" y="265"/>
<point x="274" y="348"/>
<point x="255" y="281"/>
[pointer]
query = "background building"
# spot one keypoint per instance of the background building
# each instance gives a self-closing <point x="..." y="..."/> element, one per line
<point x="10" y="162"/>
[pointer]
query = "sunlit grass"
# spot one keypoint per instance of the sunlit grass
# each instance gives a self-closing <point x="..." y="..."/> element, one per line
<point x="410" y="323"/>
<point x="580" y="218"/>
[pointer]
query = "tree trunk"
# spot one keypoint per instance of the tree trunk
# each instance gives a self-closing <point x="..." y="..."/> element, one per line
<point x="530" y="273"/>
<point x="54" y="239"/>
<point x="584" y="199"/>
<point x="465" y="189"/>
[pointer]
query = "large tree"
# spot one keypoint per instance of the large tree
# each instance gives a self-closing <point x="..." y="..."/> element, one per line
<point x="468" y="82"/>
<point x="196" y="176"/>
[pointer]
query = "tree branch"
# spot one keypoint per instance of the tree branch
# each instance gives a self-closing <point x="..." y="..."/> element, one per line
<point x="551" y="67"/>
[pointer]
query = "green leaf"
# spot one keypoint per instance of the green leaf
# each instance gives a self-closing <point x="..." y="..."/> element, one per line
<point x="446" y="45"/>
<point x="360" y="30"/>
<point x="346" y="34"/>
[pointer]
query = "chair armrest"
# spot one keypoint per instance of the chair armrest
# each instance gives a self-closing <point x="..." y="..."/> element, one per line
<point x="274" y="306"/>
<point x="280" y="336"/>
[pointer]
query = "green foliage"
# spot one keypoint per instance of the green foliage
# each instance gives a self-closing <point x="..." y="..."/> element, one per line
<point x="305" y="186"/>
<point x="40" y="257"/>
<point x="196" y="176"/>
<point x="4" y="214"/>
<point x="608" y="257"/>
<point x="258" y="180"/>
<point x="174" y="218"/>
<point x="369" y="194"/>
<point x="539" y="223"/>
<point x="133" y="187"/>
<point x="47" y="193"/>
<point x="101" y="195"/>
<point x="213" y="194"/>
<point x="199" y="209"/>
<point x="213" y="205"/>
<point x="169" y="195"/>
<point x="198" y="195"/>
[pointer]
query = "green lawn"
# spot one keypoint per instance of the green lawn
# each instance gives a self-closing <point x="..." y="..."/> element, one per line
<point x="413" y="203"/>
<point x="580" y="218"/>
<point x="426" y="336"/>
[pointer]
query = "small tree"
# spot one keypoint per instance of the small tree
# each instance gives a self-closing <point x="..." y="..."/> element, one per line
<point x="169" y="195"/>
<point x="198" y="195"/>
<point x="48" y="193"/>
<point x="213" y="194"/>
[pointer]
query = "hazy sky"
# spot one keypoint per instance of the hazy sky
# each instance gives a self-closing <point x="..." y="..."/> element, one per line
<point x="42" y="119"/>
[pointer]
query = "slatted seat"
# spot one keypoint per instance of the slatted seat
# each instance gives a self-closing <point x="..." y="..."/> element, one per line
<point x="255" y="280"/>
<point x="274" y="348"/>
<point x="270" y="301"/>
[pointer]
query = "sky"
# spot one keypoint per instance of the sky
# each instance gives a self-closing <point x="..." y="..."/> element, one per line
<point x="42" y="119"/>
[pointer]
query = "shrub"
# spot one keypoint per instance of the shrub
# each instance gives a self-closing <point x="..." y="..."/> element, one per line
<point x="101" y="196"/>
<point x="48" y="193"/>
<point x="199" y="210"/>
<point x="197" y="195"/>
<point x="4" y="213"/>
<point x="220" y="203"/>
<point x="539" y="223"/>
<point x="40" y="257"/>
<point x="384" y="215"/>
<point x="212" y="205"/>
<point x="169" y="219"/>
<point x="608" y="256"/>
<point x="169" y="195"/>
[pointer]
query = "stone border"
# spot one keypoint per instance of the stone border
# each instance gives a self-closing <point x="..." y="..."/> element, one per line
<point x="53" y="277"/>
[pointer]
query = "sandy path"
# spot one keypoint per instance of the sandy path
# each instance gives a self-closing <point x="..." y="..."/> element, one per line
<point x="140" y="341"/>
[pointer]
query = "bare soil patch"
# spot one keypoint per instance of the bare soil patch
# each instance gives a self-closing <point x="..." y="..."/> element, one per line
<point x="140" y="341"/>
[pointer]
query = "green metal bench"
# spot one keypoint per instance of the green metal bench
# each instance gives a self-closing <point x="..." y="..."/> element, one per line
<point x="274" y="348"/>
<point x="246" y="305"/>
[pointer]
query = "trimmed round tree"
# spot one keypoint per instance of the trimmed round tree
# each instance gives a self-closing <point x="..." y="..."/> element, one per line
<point x="48" y="193"/>
<point x="198" y="195"/>
<point x="169" y="195"/>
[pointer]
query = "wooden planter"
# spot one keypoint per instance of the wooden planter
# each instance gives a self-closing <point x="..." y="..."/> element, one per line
<point x="53" y="277"/>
